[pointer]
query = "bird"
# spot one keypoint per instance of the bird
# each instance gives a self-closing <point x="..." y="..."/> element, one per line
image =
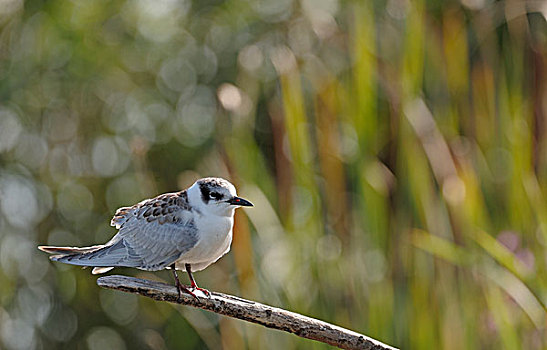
<point x="186" y="230"/>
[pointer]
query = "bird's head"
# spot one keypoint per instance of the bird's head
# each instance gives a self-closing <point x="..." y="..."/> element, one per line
<point x="216" y="196"/>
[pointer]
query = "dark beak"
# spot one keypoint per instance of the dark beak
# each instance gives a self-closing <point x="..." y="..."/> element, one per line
<point x="240" y="201"/>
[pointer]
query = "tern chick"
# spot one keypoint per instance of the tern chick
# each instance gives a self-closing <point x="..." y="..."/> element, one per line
<point x="189" y="230"/>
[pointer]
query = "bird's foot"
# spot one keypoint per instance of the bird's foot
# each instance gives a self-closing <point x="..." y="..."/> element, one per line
<point x="186" y="289"/>
<point x="203" y="290"/>
<point x="193" y="284"/>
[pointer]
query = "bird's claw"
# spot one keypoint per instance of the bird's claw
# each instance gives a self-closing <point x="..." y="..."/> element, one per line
<point x="187" y="289"/>
<point x="192" y="294"/>
<point x="190" y="290"/>
<point x="203" y="290"/>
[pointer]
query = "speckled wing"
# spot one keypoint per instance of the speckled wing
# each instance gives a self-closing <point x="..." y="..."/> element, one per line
<point x="152" y="235"/>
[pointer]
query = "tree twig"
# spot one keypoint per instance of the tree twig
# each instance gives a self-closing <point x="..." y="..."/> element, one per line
<point x="250" y="311"/>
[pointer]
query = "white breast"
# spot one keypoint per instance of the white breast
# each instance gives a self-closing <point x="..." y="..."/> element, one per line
<point x="215" y="237"/>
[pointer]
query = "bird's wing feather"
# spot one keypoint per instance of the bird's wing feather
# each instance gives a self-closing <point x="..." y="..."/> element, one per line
<point x="152" y="235"/>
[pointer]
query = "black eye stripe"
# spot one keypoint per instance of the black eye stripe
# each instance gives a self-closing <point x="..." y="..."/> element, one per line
<point x="210" y="192"/>
<point x="215" y="195"/>
<point x="204" y="193"/>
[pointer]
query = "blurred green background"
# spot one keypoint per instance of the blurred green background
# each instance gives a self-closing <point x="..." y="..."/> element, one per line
<point x="395" y="152"/>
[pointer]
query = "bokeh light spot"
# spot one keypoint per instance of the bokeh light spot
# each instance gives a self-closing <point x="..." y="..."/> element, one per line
<point x="10" y="128"/>
<point x="251" y="58"/>
<point x="121" y="308"/>
<point x="18" y="201"/>
<point x="18" y="334"/>
<point x="110" y="156"/>
<point x="61" y="324"/>
<point x="74" y="201"/>
<point x="229" y="96"/>
<point x="102" y="338"/>
<point x="454" y="190"/>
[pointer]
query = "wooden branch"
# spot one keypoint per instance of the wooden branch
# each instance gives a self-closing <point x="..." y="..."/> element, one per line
<point x="250" y="311"/>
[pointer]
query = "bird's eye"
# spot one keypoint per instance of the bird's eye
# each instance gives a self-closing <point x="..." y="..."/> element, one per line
<point x="215" y="195"/>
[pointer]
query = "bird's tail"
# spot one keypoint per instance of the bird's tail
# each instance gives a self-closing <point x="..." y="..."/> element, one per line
<point x="67" y="250"/>
<point x="78" y="256"/>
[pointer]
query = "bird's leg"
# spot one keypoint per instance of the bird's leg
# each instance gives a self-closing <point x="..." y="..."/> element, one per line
<point x="194" y="285"/>
<point x="181" y="287"/>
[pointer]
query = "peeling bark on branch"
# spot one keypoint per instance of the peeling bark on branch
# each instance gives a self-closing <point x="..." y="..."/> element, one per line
<point x="250" y="311"/>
